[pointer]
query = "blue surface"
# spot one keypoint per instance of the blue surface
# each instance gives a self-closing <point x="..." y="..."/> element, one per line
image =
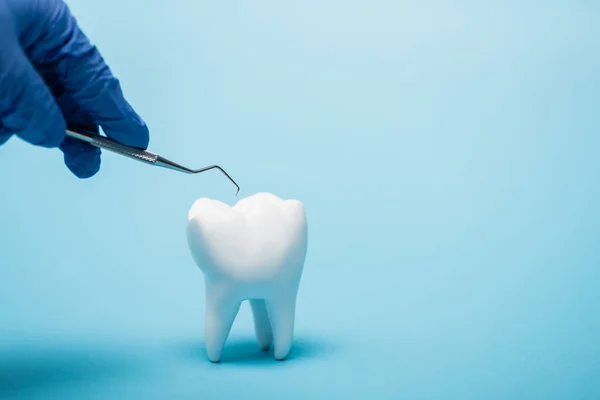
<point x="448" y="159"/>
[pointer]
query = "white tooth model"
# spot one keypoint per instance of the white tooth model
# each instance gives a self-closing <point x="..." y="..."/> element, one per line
<point x="252" y="251"/>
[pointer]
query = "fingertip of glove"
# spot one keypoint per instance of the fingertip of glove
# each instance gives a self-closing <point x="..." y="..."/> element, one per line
<point x="83" y="172"/>
<point x="131" y="133"/>
<point x="82" y="159"/>
<point x="139" y="134"/>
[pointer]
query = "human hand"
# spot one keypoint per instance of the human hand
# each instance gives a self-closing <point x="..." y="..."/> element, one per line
<point x="51" y="78"/>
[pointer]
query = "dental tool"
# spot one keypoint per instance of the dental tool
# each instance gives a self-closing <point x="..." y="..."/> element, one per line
<point x="139" y="154"/>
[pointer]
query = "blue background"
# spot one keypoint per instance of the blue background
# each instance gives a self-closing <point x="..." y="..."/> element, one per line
<point x="447" y="156"/>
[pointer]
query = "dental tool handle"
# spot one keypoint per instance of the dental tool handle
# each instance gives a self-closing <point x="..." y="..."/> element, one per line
<point x="113" y="146"/>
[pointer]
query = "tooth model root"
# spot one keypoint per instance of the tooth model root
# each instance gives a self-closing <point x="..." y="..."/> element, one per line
<point x="220" y="314"/>
<point x="282" y="313"/>
<point x="262" y="325"/>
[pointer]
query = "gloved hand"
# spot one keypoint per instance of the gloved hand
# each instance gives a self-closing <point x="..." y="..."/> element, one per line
<point x="51" y="78"/>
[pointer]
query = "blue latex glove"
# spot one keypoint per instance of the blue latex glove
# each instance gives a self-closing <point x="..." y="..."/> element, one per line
<point x="52" y="78"/>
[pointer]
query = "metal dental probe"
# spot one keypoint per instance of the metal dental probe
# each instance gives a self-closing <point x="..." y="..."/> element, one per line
<point x="139" y="154"/>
